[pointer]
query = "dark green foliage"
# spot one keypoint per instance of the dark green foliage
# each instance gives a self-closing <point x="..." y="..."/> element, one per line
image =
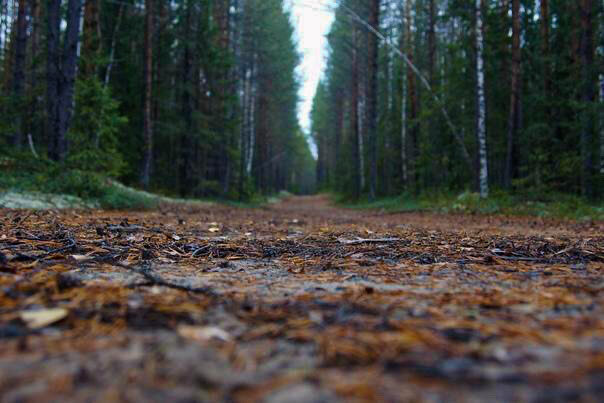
<point x="23" y="173"/>
<point x="557" y="111"/>
<point x="93" y="136"/>
<point x="200" y="49"/>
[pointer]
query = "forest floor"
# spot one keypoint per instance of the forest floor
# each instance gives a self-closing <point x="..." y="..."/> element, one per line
<point x="299" y="301"/>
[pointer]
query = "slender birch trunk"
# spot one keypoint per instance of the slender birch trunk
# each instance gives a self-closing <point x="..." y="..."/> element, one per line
<point x="483" y="171"/>
<point x="404" y="154"/>
<point x="404" y="129"/>
<point x="116" y="30"/>
<point x="252" y="127"/>
<point x="361" y="133"/>
<point x="245" y="107"/>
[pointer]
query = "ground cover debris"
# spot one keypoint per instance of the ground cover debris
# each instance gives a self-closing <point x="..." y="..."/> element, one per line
<point x="299" y="301"/>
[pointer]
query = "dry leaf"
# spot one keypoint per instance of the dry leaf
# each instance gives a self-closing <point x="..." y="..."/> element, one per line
<point x="81" y="258"/>
<point x="43" y="317"/>
<point x="203" y="334"/>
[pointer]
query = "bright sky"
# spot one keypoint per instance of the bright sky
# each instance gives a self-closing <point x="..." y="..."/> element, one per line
<point x="312" y="22"/>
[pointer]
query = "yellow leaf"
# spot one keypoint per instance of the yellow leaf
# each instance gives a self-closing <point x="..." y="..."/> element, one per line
<point x="43" y="317"/>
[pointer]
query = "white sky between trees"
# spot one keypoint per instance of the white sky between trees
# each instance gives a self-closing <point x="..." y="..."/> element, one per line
<point x="312" y="20"/>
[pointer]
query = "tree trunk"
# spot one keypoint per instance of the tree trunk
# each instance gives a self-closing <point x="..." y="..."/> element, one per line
<point x="147" y="102"/>
<point x="544" y="19"/>
<point x="586" y="51"/>
<point x="69" y="66"/>
<point x="91" y="38"/>
<point x="339" y="125"/>
<point x="483" y="171"/>
<point x="514" y="114"/>
<point x="404" y="153"/>
<point x="374" y="20"/>
<point x="431" y="41"/>
<point x="116" y="30"/>
<point x="354" y="119"/>
<point x="187" y="110"/>
<point x="252" y="119"/>
<point x="222" y="16"/>
<point x="246" y="101"/>
<point x="33" y="74"/>
<point x="61" y="73"/>
<point x="19" y="71"/>
<point x="53" y="11"/>
<point x="404" y="128"/>
<point x="413" y="110"/>
<point x="362" y="125"/>
<point x="432" y="123"/>
<point x="602" y="124"/>
<point x="545" y="23"/>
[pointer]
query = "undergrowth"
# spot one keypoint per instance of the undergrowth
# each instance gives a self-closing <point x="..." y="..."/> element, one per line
<point x="555" y="205"/>
<point x="46" y="177"/>
<point x="39" y="175"/>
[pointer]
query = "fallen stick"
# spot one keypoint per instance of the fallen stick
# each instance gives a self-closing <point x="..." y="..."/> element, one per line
<point x="147" y="272"/>
<point x="72" y="244"/>
<point x="200" y="250"/>
<point x="359" y="241"/>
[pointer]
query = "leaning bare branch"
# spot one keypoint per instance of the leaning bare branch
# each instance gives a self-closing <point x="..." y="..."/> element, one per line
<point x="464" y="151"/>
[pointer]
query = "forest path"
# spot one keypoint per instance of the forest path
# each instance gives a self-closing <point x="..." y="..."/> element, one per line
<point x="298" y="301"/>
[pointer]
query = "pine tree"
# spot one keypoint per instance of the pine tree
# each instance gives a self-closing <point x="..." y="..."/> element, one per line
<point x="148" y="93"/>
<point x="514" y="117"/>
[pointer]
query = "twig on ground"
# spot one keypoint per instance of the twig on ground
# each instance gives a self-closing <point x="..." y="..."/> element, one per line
<point x="202" y="249"/>
<point x="147" y="272"/>
<point x="359" y="241"/>
<point x="72" y="244"/>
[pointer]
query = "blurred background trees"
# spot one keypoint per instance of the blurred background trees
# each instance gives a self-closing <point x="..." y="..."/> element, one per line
<point x="518" y="79"/>
<point x="196" y="97"/>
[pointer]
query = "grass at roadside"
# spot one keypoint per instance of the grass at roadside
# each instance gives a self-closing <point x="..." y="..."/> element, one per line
<point x="43" y="184"/>
<point x="546" y="205"/>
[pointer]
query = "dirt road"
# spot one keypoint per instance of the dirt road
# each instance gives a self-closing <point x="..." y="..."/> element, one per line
<point x="298" y="301"/>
